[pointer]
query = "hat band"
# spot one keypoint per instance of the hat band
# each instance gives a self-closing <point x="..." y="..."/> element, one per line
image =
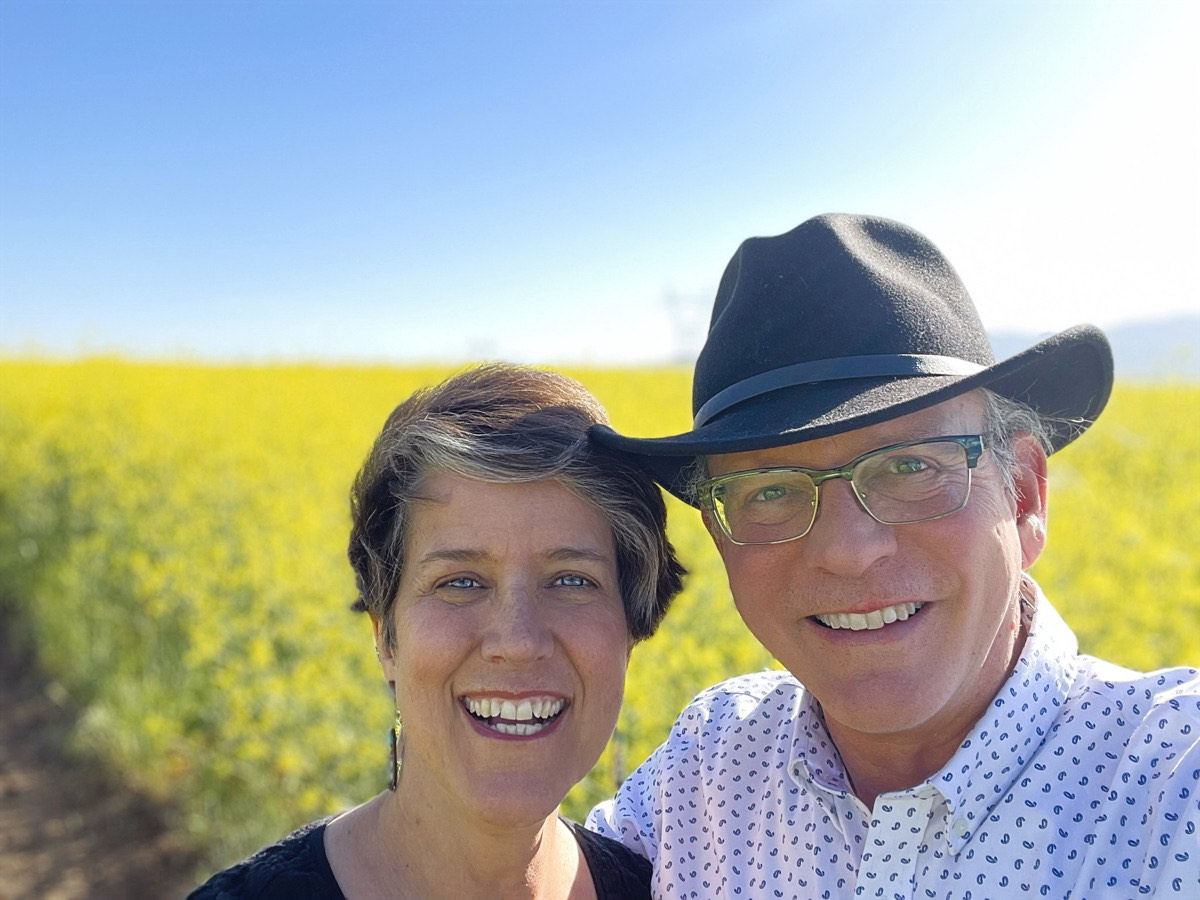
<point x="876" y="366"/>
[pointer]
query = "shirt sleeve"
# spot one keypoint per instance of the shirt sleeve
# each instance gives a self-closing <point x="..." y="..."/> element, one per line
<point x="642" y="808"/>
<point x="629" y="816"/>
<point x="1172" y="852"/>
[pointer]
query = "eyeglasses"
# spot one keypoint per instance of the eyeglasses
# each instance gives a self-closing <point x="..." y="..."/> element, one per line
<point x="910" y="482"/>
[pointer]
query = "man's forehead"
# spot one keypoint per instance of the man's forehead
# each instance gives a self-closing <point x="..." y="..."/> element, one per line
<point x="963" y="414"/>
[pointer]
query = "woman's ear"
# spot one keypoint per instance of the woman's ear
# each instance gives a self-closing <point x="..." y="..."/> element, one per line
<point x="1030" y="496"/>
<point x="383" y="650"/>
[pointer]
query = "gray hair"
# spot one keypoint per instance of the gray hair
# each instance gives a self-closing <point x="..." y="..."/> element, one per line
<point x="507" y="424"/>
<point x="1003" y="419"/>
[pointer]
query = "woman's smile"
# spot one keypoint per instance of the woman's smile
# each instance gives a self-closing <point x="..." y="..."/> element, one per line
<point x="506" y="716"/>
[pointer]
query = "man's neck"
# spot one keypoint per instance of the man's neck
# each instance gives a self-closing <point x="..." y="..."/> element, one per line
<point x="881" y="763"/>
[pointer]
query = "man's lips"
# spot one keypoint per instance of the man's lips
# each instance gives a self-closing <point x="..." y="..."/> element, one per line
<point x="871" y="621"/>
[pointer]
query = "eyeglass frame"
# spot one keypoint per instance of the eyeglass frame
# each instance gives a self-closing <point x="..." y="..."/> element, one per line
<point x="973" y="445"/>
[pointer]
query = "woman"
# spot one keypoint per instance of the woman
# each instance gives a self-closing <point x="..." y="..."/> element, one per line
<point x="508" y="567"/>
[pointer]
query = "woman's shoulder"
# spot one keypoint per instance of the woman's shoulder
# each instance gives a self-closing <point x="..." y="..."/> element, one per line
<point x="295" y="866"/>
<point x="617" y="872"/>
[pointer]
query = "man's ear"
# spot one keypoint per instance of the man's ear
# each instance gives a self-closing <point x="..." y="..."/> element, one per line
<point x="1030" y="500"/>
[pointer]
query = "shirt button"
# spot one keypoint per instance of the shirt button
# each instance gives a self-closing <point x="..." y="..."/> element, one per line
<point x="960" y="827"/>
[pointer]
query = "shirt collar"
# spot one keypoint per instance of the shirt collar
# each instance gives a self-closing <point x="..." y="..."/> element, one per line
<point x="816" y="766"/>
<point x="815" y="758"/>
<point x="994" y="753"/>
<point x="997" y="750"/>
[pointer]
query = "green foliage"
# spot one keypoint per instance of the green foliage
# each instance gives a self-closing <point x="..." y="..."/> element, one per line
<point x="173" y="538"/>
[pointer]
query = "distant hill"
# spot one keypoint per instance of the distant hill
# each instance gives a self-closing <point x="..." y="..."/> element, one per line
<point x="1162" y="349"/>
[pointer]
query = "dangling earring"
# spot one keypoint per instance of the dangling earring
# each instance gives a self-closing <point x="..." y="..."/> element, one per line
<point x="397" y="741"/>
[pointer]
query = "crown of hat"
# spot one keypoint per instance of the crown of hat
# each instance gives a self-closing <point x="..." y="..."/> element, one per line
<point x="836" y="287"/>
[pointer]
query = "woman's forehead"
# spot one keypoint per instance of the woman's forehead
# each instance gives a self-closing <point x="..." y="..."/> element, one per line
<point x="468" y="514"/>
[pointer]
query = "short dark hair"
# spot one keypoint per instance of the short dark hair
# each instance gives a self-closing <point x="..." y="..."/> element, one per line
<point x="507" y="423"/>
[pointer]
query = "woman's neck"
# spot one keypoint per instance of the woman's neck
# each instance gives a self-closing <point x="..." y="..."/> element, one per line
<point x="402" y="845"/>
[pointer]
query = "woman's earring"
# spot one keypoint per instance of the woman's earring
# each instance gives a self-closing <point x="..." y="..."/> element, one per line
<point x="397" y="741"/>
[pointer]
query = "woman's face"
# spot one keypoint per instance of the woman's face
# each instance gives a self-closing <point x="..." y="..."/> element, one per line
<point x="511" y="646"/>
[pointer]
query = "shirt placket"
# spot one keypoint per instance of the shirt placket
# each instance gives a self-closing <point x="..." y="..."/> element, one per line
<point x="893" y="844"/>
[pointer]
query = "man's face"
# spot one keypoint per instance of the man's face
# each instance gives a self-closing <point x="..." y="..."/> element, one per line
<point x="927" y="676"/>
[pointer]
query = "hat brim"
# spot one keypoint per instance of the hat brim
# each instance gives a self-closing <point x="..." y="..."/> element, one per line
<point x="1067" y="378"/>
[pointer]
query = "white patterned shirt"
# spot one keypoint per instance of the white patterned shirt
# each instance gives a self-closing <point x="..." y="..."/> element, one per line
<point x="1082" y="781"/>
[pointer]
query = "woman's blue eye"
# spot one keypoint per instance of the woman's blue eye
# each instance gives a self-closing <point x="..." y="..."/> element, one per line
<point x="572" y="581"/>
<point x="462" y="581"/>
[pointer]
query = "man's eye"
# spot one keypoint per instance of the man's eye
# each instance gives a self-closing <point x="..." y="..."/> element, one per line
<point x="769" y="494"/>
<point x="908" y="465"/>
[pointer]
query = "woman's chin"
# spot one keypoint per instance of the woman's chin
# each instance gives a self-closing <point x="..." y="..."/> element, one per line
<point x="517" y="800"/>
<point x="496" y="797"/>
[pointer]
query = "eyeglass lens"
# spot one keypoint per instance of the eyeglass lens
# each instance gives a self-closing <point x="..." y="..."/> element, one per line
<point x="894" y="485"/>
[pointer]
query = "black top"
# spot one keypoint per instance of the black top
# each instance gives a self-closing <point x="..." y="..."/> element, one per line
<point x="296" y="868"/>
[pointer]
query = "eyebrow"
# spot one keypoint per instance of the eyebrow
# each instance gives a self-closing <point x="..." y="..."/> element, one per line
<point x="919" y="433"/>
<point x="580" y="553"/>
<point x="906" y="435"/>
<point x="559" y="554"/>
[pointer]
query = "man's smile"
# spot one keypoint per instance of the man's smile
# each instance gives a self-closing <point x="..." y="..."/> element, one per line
<point x="869" y="621"/>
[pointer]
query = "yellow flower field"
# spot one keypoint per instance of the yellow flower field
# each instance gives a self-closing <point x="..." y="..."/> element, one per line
<point x="172" y="538"/>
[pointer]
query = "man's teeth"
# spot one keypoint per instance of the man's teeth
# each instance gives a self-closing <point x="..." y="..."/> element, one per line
<point x="525" y="716"/>
<point x="869" y="621"/>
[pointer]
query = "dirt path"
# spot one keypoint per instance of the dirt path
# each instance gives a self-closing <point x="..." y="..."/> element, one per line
<point x="68" y="831"/>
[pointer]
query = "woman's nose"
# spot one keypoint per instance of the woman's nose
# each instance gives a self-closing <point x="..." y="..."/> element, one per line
<point x="517" y="630"/>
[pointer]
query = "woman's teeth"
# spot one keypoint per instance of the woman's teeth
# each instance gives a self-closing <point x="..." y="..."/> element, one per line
<point x="869" y="621"/>
<point x="525" y="716"/>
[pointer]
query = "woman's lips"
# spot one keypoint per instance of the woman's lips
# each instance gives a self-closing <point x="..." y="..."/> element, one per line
<point x="522" y="717"/>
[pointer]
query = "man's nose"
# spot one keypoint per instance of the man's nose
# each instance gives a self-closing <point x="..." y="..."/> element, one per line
<point x="516" y="629"/>
<point x="845" y="539"/>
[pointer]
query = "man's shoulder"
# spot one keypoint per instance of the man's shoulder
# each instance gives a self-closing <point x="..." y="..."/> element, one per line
<point x="746" y="720"/>
<point x="1086" y="681"/>
<point x="768" y="693"/>
<point x="1159" y="709"/>
<point x="1177" y="687"/>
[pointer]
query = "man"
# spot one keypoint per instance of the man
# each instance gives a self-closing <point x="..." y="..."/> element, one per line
<point x="876" y="486"/>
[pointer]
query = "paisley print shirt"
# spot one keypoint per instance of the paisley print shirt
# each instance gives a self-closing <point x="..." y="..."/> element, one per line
<point x="1082" y="780"/>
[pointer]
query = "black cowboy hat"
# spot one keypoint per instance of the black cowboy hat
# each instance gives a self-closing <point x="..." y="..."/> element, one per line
<point x="846" y="321"/>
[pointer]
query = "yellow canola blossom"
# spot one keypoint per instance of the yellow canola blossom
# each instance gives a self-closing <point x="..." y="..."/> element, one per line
<point x="173" y="538"/>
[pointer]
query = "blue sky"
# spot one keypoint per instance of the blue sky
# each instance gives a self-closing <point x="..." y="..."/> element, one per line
<point x="565" y="181"/>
